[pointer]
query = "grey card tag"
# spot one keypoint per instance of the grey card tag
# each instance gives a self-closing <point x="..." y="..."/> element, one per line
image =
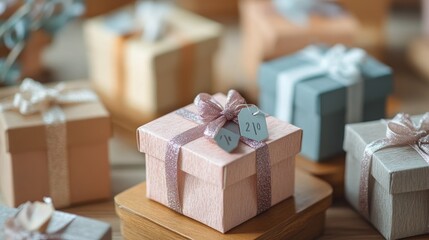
<point x="228" y="137"/>
<point x="253" y="124"/>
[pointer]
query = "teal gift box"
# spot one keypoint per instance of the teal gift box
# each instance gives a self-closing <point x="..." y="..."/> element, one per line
<point x="325" y="88"/>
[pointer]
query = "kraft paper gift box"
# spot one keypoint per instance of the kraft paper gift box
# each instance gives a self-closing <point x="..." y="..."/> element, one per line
<point x="397" y="178"/>
<point x="140" y="80"/>
<point x="79" y="228"/>
<point x="267" y="34"/>
<point x="67" y="160"/>
<point x="217" y="188"/>
<point x="319" y="103"/>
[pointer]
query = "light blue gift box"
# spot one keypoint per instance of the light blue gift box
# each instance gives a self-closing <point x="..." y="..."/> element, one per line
<point x="319" y="103"/>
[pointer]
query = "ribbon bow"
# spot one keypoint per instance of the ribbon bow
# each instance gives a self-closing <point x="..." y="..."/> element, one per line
<point x="342" y="64"/>
<point x="214" y="115"/>
<point x="36" y="221"/>
<point x="33" y="97"/>
<point x="152" y="17"/>
<point x="298" y="11"/>
<point x="401" y="131"/>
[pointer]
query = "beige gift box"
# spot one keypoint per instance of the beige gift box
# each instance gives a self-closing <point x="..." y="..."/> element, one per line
<point x="24" y="170"/>
<point x="140" y="80"/>
<point x="217" y="188"/>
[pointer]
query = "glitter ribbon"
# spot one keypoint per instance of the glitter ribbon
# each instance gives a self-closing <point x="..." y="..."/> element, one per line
<point x="401" y="131"/>
<point x="17" y="227"/>
<point x="298" y="11"/>
<point x="33" y="98"/>
<point x="339" y="64"/>
<point x="211" y="117"/>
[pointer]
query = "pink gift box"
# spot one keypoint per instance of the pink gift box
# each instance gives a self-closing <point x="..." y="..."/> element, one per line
<point x="215" y="187"/>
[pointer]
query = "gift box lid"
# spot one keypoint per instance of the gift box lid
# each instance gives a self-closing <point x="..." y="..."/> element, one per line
<point x="80" y="228"/>
<point x="397" y="169"/>
<point x="202" y="158"/>
<point x="182" y="28"/>
<point x="86" y="123"/>
<point x="323" y="95"/>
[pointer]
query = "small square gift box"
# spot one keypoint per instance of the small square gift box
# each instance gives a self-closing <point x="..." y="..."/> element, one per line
<point x="276" y="28"/>
<point x="188" y="172"/>
<point x="149" y="60"/>
<point x="54" y="143"/>
<point x="387" y="171"/>
<point x="39" y="220"/>
<point x="320" y="89"/>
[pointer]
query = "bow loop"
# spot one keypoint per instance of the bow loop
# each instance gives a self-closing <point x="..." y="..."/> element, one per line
<point x="214" y="114"/>
<point x="208" y="107"/>
<point x="401" y="130"/>
<point x="33" y="97"/>
<point x="234" y="102"/>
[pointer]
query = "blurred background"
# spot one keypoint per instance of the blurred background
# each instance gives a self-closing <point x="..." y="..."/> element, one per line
<point x="56" y="47"/>
<point x="400" y="43"/>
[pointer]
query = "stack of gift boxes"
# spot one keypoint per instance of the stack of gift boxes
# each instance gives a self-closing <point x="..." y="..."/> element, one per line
<point x="221" y="161"/>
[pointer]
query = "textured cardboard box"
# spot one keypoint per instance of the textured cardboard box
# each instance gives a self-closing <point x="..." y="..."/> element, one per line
<point x="398" y="185"/>
<point x="320" y="102"/>
<point x="218" y="188"/>
<point x="24" y="174"/>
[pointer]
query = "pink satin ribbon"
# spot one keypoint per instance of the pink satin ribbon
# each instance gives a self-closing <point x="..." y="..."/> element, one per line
<point x="401" y="131"/>
<point x="212" y="116"/>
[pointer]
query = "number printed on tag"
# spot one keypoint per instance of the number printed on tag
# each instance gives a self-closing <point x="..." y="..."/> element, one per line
<point x="228" y="137"/>
<point x="253" y="126"/>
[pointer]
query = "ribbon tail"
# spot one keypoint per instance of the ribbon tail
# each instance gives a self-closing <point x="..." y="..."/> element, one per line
<point x="263" y="174"/>
<point x="172" y="164"/>
<point x="421" y="152"/>
<point x="77" y="96"/>
<point x="365" y="172"/>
